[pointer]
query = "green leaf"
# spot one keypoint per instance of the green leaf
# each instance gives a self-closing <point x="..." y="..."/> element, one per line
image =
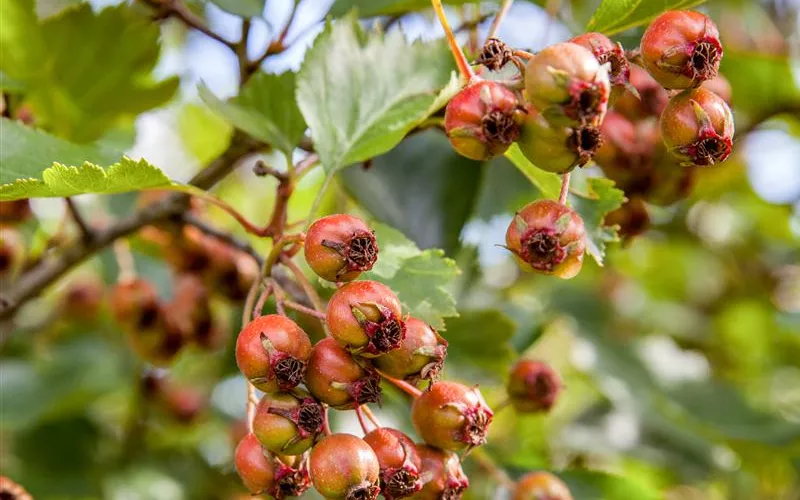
<point x="362" y="92"/>
<point x="591" y="485"/>
<point x="241" y="8"/>
<point x="204" y="134"/>
<point x="761" y="83"/>
<point x="547" y="183"/>
<point x="602" y="197"/>
<point x="10" y="85"/>
<point x="613" y="16"/>
<point x="481" y="339"/>
<point x="370" y="8"/>
<point x="265" y="109"/>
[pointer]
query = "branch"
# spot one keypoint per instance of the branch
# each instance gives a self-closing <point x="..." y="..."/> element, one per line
<point x="178" y="10"/>
<point x="501" y="14"/>
<point x="87" y="234"/>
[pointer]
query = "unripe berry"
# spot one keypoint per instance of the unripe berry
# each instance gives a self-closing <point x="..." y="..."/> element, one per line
<point x="547" y="237"/>
<point x="272" y="353"/>
<point x="540" y="486"/>
<point x="340" y="247"/>
<point x="13" y="491"/>
<point x="399" y="462"/>
<point x="445" y="479"/>
<point x="364" y="316"/>
<point x="12" y="253"/>
<point x="262" y="473"/>
<point x="651" y="99"/>
<point x="632" y="219"/>
<point x="697" y="127"/>
<point x="567" y="84"/>
<point x="344" y="467"/>
<point x="15" y="212"/>
<point x="556" y="148"/>
<point x="533" y="386"/>
<point x="288" y="424"/>
<point x="681" y="49"/>
<point x="608" y="52"/>
<point x="451" y="416"/>
<point x="420" y="356"/>
<point x="482" y="120"/>
<point x="335" y="378"/>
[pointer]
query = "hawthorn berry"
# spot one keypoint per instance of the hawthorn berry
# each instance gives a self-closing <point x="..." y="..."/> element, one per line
<point x="12" y="252"/>
<point x="334" y="377"/>
<point x="631" y="218"/>
<point x="344" y="467"/>
<point x="649" y="100"/>
<point x="628" y="146"/>
<point x="399" y="462"/>
<point x="263" y="473"/>
<point x="288" y="424"/>
<point x="451" y="416"/>
<point x="364" y="316"/>
<point x="340" y="247"/>
<point x="272" y="352"/>
<point x="15" y="212"/>
<point x="183" y="403"/>
<point x="540" y="486"/>
<point x="190" y="308"/>
<point x="567" y="85"/>
<point x="420" y="356"/>
<point x="607" y="52"/>
<point x="533" y="386"/>
<point x="681" y="49"/>
<point x="445" y="477"/>
<point x="697" y="127"/>
<point x="556" y="148"/>
<point x="547" y="237"/>
<point x="482" y="120"/>
<point x="83" y="299"/>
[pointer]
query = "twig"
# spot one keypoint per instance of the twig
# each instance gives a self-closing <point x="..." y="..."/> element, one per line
<point x="472" y="23"/>
<point x="223" y="236"/>
<point x="177" y="9"/>
<point x="402" y="385"/>
<point x="303" y="309"/>
<point x="562" y="197"/>
<point x="361" y="421"/>
<point x="86" y="232"/>
<point x="305" y="284"/>
<point x="371" y="416"/>
<point x="524" y="54"/>
<point x="501" y="14"/>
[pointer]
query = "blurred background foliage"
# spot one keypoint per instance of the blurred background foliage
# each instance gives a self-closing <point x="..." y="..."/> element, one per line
<point x="681" y="356"/>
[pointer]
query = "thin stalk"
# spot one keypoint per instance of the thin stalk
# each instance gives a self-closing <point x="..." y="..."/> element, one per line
<point x="303" y="309"/>
<point x="458" y="54"/>
<point x="402" y="385"/>
<point x="371" y="416"/>
<point x="562" y="198"/>
<point x="496" y="472"/>
<point x="501" y="14"/>
<point x="311" y="292"/>
<point x="361" y="421"/>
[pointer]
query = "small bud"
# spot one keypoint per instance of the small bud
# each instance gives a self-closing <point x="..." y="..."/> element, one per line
<point x="344" y="467"/>
<point x="288" y="424"/>
<point x="697" y="127"/>
<point x="533" y="386"/>
<point x="336" y="379"/>
<point x="420" y="355"/>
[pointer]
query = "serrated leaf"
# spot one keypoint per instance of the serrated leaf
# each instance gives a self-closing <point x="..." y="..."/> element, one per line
<point x="369" y="8"/>
<point x="549" y="184"/>
<point x="242" y="8"/>
<point x="602" y="197"/>
<point x="614" y="16"/>
<point x="362" y="92"/>
<point x="265" y="109"/>
<point x="482" y="339"/>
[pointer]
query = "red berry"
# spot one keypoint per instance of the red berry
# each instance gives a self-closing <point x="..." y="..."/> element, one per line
<point x="400" y="464"/>
<point x="697" y="127"/>
<point x="681" y="49"/>
<point x="627" y="147"/>
<point x="650" y="101"/>
<point x="262" y="473"/>
<point x="340" y="247"/>
<point x="482" y="121"/>
<point x="190" y="308"/>
<point x="183" y="403"/>
<point x="364" y="316"/>
<point x="451" y="416"/>
<point x="335" y="378"/>
<point x="420" y="356"/>
<point x="540" y="486"/>
<point x="344" y="467"/>
<point x="12" y="253"/>
<point x="632" y="219"/>
<point x="567" y="84"/>
<point x="445" y="477"/>
<point x="607" y="52"/>
<point x="720" y="86"/>
<point x="288" y="424"/>
<point x="272" y="353"/>
<point x="533" y="386"/>
<point x="15" y="212"/>
<point x="83" y="299"/>
<point x="547" y="237"/>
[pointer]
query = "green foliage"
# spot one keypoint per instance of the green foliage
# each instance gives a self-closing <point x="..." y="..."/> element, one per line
<point x="548" y="184"/>
<point x="762" y="83"/>
<point x="614" y="16"/>
<point x="368" y="8"/>
<point x="480" y="339"/>
<point x="600" y="198"/>
<point x="242" y="8"/>
<point x="204" y="133"/>
<point x="587" y="485"/>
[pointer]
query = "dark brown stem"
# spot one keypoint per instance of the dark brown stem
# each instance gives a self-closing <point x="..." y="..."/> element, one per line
<point x="178" y="10"/>
<point x="87" y="235"/>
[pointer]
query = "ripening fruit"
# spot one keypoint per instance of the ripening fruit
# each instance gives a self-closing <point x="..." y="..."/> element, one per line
<point x="230" y="272"/>
<point x="628" y="146"/>
<point x="482" y="120"/>
<point x="364" y="317"/>
<point x="697" y="127"/>
<point x="540" y="486"/>
<point x="567" y="84"/>
<point x="336" y="379"/>
<point x="12" y="253"/>
<point x="263" y="473"/>
<point x="399" y="462"/>
<point x="190" y="308"/>
<point x="183" y="403"/>
<point x="344" y="467"/>
<point x="533" y="386"/>
<point x="83" y="299"/>
<point x="288" y="424"/>
<point x="451" y="416"/>
<point x="651" y="100"/>
<point x="272" y="353"/>
<point x="15" y="212"/>
<point x="681" y="49"/>
<point x="632" y="219"/>
<point x="445" y="477"/>
<point x="340" y="247"/>
<point x="607" y="52"/>
<point x="420" y="356"/>
<point x="547" y="237"/>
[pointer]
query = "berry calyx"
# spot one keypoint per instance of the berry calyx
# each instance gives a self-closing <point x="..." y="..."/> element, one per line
<point x="288" y="424"/>
<point x="607" y="52"/>
<point x="272" y="353"/>
<point x="681" y="49"/>
<point x="451" y="416"/>
<point x="344" y="467"/>
<point x="263" y="473"/>
<point x="340" y="247"/>
<point x="649" y="100"/>
<point x="399" y="462"/>
<point x="556" y="148"/>
<point x="364" y="316"/>
<point x="482" y="120"/>
<point x="697" y="127"/>
<point x="495" y="54"/>
<point x="336" y="379"/>
<point x="547" y="237"/>
<point x="420" y="355"/>
<point x="540" y="486"/>
<point x="444" y="477"/>
<point x="533" y="386"/>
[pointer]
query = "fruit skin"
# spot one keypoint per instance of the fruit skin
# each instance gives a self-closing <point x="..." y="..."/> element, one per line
<point x="12" y="253"/>
<point x="344" y="467"/>
<point x="697" y="127"/>
<point x="272" y="352"/>
<point x="263" y="473"/>
<point x="632" y="218"/>
<point x="83" y="299"/>
<point x="567" y="85"/>
<point x="547" y="237"/>
<point x="652" y="97"/>
<point x="482" y="120"/>
<point x="288" y="424"/>
<point x="336" y="379"/>
<point x="15" y="212"/>
<point x="364" y="317"/>
<point x="446" y="478"/>
<point x="420" y="356"/>
<point x="399" y="462"/>
<point x="451" y="416"/>
<point x="340" y="247"/>
<point x="540" y="485"/>
<point x="607" y="52"/>
<point x="681" y="49"/>
<point x="533" y="386"/>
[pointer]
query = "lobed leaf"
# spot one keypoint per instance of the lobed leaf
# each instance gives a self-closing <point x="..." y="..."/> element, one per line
<point x="614" y="16"/>
<point x="602" y="197"/>
<point x="481" y="338"/>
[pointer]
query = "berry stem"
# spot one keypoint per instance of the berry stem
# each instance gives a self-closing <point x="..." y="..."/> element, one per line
<point x="371" y="416"/>
<point x="458" y="54"/>
<point x="303" y="309"/>
<point x="402" y="385"/>
<point x="258" y="310"/>
<point x="562" y="198"/>
<point x="524" y="54"/>
<point x="501" y="406"/>
<point x="360" y="414"/>
<point x="305" y="284"/>
<point x="326" y="424"/>
<point x="501" y="14"/>
<point x="87" y="235"/>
